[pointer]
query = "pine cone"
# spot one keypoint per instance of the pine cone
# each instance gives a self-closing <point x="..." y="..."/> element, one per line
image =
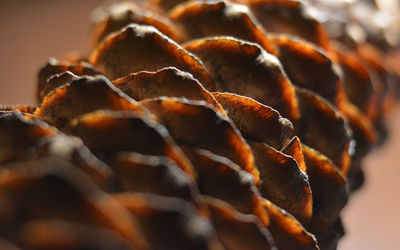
<point x="189" y="126"/>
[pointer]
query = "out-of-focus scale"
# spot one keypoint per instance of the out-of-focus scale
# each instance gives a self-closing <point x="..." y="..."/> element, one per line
<point x="201" y="125"/>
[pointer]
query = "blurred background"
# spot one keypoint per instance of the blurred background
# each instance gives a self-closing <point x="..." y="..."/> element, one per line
<point x="33" y="31"/>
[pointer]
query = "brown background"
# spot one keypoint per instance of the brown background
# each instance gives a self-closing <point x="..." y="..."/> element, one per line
<point x="34" y="30"/>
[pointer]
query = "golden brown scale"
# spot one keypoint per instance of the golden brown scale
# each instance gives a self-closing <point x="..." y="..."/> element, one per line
<point x="246" y="69"/>
<point x="18" y="133"/>
<point x="134" y="172"/>
<point x="330" y="194"/>
<point x="365" y="136"/>
<point x="55" y="81"/>
<point x="83" y="95"/>
<point x="327" y="233"/>
<point x="32" y="189"/>
<point x="169" y="82"/>
<point x="373" y="60"/>
<point x="237" y="231"/>
<point x="293" y="148"/>
<point x="288" y="17"/>
<point x="220" y="178"/>
<point x="308" y="67"/>
<point x="194" y="124"/>
<point x="140" y="47"/>
<point x="106" y="133"/>
<point x="358" y="84"/>
<point x="282" y="181"/>
<point x="220" y="18"/>
<point x="62" y="234"/>
<point x="288" y="233"/>
<point x="328" y="186"/>
<point x="118" y="16"/>
<point x="26" y="139"/>
<point x="322" y="127"/>
<point x="169" y="223"/>
<point x="54" y="66"/>
<point x="256" y="121"/>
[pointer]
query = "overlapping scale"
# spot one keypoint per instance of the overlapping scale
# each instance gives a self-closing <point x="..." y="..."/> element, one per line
<point x="236" y="230"/>
<point x="32" y="189"/>
<point x="293" y="193"/>
<point x="142" y="47"/>
<point x="136" y="172"/>
<point x="115" y="17"/>
<point x="164" y="82"/>
<point x="81" y="96"/>
<point x="169" y="223"/>
<point x="25" y="139"/>
<point x="289" y="17"/>
<point x="308" y="67"/>
<point x="323" y="128"/>
<point x="196" y="124"/>
<point x="220" y="18"/>
<point x="106" y="133"/>
<point x="62" y="234"/>
<point x="54" y="66"/>
<point x="288" y="233"/>
<point x="256" y="121"/>
<point x="221" y="178"/>
<point x="246" y="69"/>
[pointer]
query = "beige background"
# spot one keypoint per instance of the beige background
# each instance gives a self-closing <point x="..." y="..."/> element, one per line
<point x="33" y="30"/>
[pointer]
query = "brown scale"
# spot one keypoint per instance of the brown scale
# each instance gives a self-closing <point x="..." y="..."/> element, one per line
<point x="106" y="133"/>
<point x="282" y="181"/>
<point x="25" y="139"/>
<point x="322" y="127"/>
<point x="141" y="47"/>
<point x="328" y="186"/>
<point x="169" y="82"/>
<point x="357" y="84"/>
<point x="365" y="136"/>
<point x="18" y="133"/>
<point x="288" y="233"/>
<point x="288" y="17"/>
<point x="51" y="188"/>
<point x="80" y="96"/>
<point x="246" y="69"/>
<point x="169" y="223"/>
<point x="237" y="231"/>
<point x="293" y="148"/>
<point x="54" y="66"/>
<point x="219" y="18"/>
<point x="222" y="179"/>
<point x="374" y="61"/>
<point x="330" y="194"/>
<point x="327" y="233"/>
<point x="309" y="67"/>
<point x="118" y="16"/>
<point x="61" y="234"/>
<point x="316" y="165"/>
<point x="134" y="172"/>
<point x="256" y="121"/>
<point x="195" y="124"/>
<point x="55" y="81"/>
